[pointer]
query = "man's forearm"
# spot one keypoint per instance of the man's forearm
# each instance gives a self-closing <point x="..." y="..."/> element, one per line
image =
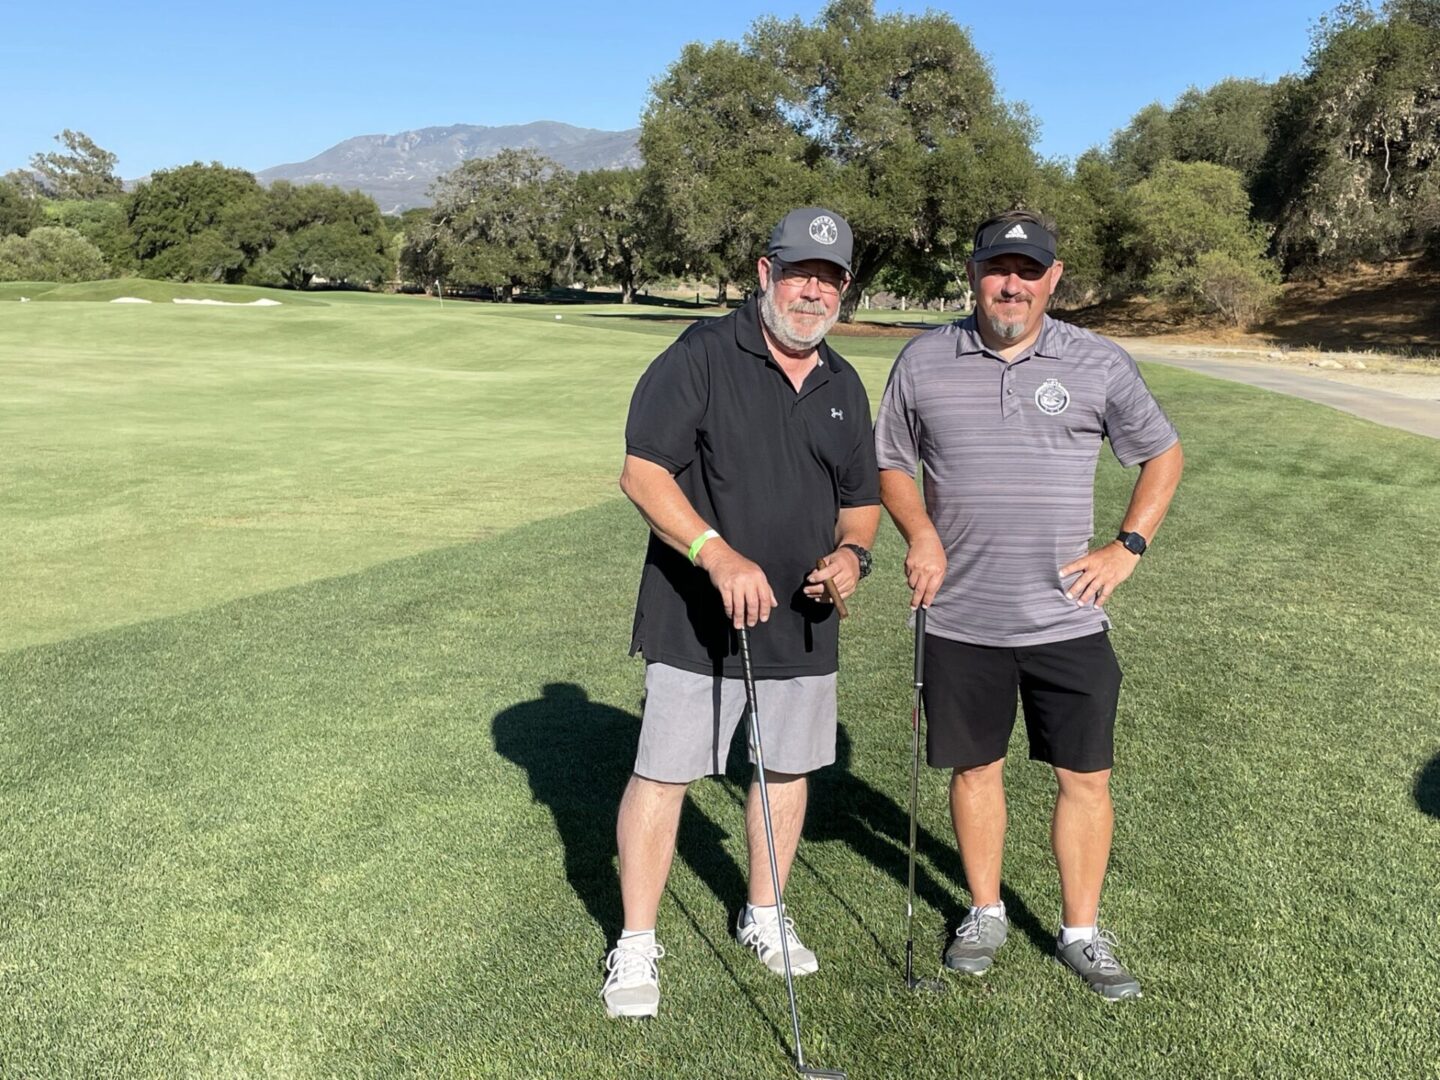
<point x="1154" y="489"/>
<point x="904" y="504"/>
<point x="857" y="525"/>
<point x="661" y="503"/>
<point x="925" y="560"/>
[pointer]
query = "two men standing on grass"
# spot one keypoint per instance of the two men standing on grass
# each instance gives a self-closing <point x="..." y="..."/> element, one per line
<point x="749" y="453"/>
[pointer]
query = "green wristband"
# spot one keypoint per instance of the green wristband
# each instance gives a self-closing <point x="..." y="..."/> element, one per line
<point x="708" y="534"/>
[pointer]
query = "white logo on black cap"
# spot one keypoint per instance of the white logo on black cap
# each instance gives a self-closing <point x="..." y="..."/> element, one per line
<point x="823" y="230"/>
<point x="1052" y="398"/>
<point x="1016" y="233"/>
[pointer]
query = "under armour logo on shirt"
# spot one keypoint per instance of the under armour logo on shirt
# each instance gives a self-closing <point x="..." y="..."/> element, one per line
<point x="1017" y="233"/>
<point x="837" y="414"/>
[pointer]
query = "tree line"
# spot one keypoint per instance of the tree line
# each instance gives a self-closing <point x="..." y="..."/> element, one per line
<point x="68" y="218"/>
<point x="894" y="120"/>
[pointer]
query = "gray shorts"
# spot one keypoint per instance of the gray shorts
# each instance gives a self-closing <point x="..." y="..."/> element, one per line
<point x="691" y="718"/>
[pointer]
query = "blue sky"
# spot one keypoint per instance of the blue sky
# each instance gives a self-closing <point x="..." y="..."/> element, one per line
<point x="263" y="84"/>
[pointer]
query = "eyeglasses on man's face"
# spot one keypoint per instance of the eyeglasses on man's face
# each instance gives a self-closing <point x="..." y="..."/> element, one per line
<point x="829" y="282"/>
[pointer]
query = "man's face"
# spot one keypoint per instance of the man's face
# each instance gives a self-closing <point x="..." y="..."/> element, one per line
<point x="800" y="301"/>
<point x="1011" y="292"/>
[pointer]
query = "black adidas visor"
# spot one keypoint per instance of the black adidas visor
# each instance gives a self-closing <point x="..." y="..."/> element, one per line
<point x="1015" y="238"/>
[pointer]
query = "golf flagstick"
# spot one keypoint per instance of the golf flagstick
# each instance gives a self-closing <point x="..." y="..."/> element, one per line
<point x="753" y="709"/>
<point x="911" y="982"/>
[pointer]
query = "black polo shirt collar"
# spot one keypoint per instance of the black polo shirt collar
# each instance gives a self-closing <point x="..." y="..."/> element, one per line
<point x="970" y="343"/>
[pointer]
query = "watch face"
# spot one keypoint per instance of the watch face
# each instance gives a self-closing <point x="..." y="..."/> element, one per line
<point x="1134" y="543"/>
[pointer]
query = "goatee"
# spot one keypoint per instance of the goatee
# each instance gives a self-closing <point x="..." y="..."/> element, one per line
<point x="1006" y="331"/>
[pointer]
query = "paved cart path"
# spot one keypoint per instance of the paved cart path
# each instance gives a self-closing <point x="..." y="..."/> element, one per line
<point x="1420" y="415"/>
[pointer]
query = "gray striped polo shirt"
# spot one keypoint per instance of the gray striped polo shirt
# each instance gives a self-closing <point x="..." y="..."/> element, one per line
<point x="1010" y="452"/>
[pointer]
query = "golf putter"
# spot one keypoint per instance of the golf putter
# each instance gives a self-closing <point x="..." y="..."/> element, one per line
<point x="911" y="982"/>
<point x="801" y="1066"/>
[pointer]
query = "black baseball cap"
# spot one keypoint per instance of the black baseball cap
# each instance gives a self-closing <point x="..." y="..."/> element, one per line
<point x="1027" y="238"/>
<point x="812" y="232"/>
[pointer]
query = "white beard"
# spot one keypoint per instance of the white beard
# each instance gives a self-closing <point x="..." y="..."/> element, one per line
<point x="778" y="323"/>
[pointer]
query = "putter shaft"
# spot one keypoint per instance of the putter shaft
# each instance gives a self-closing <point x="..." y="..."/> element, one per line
<point x="914" y="795"/>
<point x="755" y="745"/>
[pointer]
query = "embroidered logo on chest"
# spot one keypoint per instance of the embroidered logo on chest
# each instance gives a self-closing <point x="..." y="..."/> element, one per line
<point x="1052" y="398"/>
<point x="837" y="414"/>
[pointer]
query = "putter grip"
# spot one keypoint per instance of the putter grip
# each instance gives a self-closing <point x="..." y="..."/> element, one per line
<point x="919" y="646"/>
<point x="833" y="592"/>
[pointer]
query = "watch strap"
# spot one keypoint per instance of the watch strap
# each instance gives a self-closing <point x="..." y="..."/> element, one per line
<point x="864" y="556"/>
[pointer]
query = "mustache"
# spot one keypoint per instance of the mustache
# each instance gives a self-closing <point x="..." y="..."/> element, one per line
<point x="807" y="307"/>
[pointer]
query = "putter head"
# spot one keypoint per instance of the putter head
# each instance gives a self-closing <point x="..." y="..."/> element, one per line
<point x="912" y="981"/>
<point x="819" y="1073"/>
<point x="931" y="986"/>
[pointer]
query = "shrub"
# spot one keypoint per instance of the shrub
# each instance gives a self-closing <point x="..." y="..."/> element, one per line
<point x="1190" y="234"/>
<point x="1241" y="290"/>
<point x="50" y="253"/>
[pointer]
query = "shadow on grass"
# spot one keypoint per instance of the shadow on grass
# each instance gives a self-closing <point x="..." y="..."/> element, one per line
<point x="578" y="755"/>
<point x="876" y="827"/>
<point x="1427" y="788"/>
<point x="653" y="316"/>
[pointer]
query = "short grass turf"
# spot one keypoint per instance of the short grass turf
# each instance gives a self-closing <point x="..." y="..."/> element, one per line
<point x="160" y="458"/>
<point x="17" y="290"/>
<point x="352" y="815"/>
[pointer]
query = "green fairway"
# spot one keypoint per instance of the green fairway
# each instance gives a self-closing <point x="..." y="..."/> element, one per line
<point x="161" y="458"/>
<point x="315" y="713"/>
<point x="14" y="290"/>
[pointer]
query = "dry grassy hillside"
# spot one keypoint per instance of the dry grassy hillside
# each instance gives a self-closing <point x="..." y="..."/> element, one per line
<point x="1393" y="307"/>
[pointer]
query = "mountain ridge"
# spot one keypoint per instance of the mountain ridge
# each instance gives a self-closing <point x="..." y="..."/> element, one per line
<point x="397" y="170"/>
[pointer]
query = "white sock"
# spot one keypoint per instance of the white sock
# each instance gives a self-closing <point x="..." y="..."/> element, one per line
<point x="766" y="914"/>
<point x="636" y="938"/>
<point x="1071" y="934"/>
<point x="997" y="909"/>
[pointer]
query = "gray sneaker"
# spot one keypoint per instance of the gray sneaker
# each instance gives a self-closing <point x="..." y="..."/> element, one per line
<point x="632" y="980"/>
<point x="981" y="933"/>
<point x="1094" y="961"/>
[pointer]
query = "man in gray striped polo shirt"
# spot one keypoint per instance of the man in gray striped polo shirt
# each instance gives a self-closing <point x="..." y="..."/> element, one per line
<point x="1006" y="410"/>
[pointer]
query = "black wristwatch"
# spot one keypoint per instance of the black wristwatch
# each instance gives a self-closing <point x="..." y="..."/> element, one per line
<point x="864" y="556"/>
<point x="1134" y="542"/>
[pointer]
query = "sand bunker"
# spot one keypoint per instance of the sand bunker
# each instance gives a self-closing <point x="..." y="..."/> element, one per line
<point x="129" y="300"/>
<point x="263" y="302"/>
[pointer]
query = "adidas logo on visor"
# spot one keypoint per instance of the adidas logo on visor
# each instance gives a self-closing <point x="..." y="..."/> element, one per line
<point x="1016" y="233"/>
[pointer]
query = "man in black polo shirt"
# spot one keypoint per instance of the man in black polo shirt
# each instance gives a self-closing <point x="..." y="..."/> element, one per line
<point x="750" y="455"/>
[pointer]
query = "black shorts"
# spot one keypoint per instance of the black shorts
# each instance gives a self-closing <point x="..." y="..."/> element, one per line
<point x="1069" y="689"/>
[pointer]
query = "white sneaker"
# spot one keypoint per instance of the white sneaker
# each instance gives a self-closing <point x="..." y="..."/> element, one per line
<point x="764" y="938"/>
<point x="632" y="982"/>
